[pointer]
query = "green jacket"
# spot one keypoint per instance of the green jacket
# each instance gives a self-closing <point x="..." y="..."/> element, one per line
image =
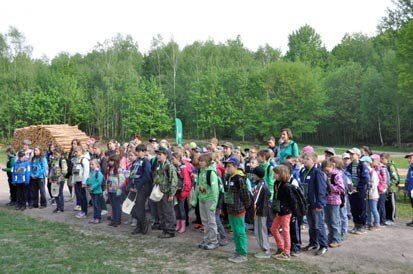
<point x="212" y="191"/>
<point x="394" y="177"/>
<point x="269" y="177"/>
<point x="165" y="176"/>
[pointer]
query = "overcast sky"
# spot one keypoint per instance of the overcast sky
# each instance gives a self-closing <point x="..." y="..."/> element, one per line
<point x="76" y="26"/>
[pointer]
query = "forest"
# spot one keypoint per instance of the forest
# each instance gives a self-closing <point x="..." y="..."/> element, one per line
<point x="359" y="92"/>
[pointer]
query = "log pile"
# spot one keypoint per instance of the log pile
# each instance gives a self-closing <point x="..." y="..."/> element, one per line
<point x="43" y="135"/>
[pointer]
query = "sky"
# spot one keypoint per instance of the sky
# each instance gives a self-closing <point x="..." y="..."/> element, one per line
<point x="76" y="26"/>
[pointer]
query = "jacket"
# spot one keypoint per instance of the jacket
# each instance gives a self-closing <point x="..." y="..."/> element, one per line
<point x="261" y="195"/>
<point x="373" y="193"/>
<point x="115" y="182"/>
<point x="335" y="187"/>
<point x="11" y="159"/>
<point x="284" y="201"/>
<point x="205" y="192"/>
<point x="39" y="167"/>
<point x="58" y="170"/>
<point x="409" y="179"/>
<point x="361" y="177"/>
<point x="269" y="177"/>
<point x="140" y="174"/>
<point x="80" y="170"/>
<point x="315" y="181"/>
<point x="94" y="182"/>
<point x="186" y="174"/>
<point x="236" y="195"/>
<point x="382" y="173"/>
<point x="290" y="149"/>
<point x="394" y="177"/>
<point x="21" y="172"/>
<point x="165" y="176"/>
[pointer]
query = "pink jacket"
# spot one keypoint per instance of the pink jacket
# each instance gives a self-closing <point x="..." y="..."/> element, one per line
<point x="186" y="173"/>
<point x="337" y="187"/>
<point x="382" y="173"/>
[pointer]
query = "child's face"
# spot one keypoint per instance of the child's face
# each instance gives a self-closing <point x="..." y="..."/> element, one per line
<point x="175" y="161"/>
<point x="161" y="157"/>
<point x="410" y="160"/>
<point x="230" y="168"/>
<point x="384" y="161"/>
<point x="328" y="170"/>
<point x="132" y="157"/>
<point x="354" y="157"/>
<point x="260" y="159"/>
<point x="203" y="164"/>
<point x="36" y="151"/>
<point x="56" y="155"/>
<point x="254" y="164"/>
<point x="308" y="162"/>
<point x="92" y="165"/>
<point x="79" y="153"/>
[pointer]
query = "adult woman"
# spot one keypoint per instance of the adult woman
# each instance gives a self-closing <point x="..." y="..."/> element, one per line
<point x="287" y="145"/>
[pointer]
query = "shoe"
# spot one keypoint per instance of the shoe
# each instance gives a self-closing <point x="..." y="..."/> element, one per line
<point x="223" y="242"/>
<point x="136" y="231"/>
<point x="103" y="212"/>
<point x="133" y="222"/>
<point x="310" y="247"/>
<point x="166" y="235"/>
<point x="360" y="231"/>
<point x="81" y="215"/>
<point x="295" y="253"/>
<point x="156" y="226"/>
<point x="282" y="256"/>
<point x="18" y="207"/>
<point x="238" y="259"/>
<point x="198" y="226"/>
<point x="334" y="244"/>
<point x="96" y="221"/>
<point x="354" y="230"/>
<point x="114" y="224"/>
<point x="183" y="226"/>
<point x="211" y="246"/>
<point x="41" y="207"/>
<point x="410" y="223"/>
<point x="262" y="255"/>
<point x="56" y="210"/>
<point x="91" y="221"/>
<point x="109" y="218"/>
<point x="202" y="244"/>
<point x="321" y="251"/>
<point x="178" y="225"/>
<point x="23" y="208"/>
<point x="77" y="208"/>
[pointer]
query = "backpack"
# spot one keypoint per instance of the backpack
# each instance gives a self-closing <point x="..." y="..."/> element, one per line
<point x="208" y="180"/>
<point x="61" y="165"/>
<point x="180" y="184"/>
<point x="300" y="209"/>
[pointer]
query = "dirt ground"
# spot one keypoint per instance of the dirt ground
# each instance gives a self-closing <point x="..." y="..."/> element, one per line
<point x="388" y="250"/>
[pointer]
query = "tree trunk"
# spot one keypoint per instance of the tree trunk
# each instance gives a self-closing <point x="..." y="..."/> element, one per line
<point x="399" y="135"/>
<point x="381" y="136"/>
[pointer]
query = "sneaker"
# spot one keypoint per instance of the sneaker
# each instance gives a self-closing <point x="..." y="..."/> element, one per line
<point x="134" y="222"/>
<point x="96" y="221"/>
<point x="202" y="244"/>
<point x="321" y="251"/>
<point x="91" y="221"/>
<point x="295" y="253"/>
<point x="262" y="255"/>
<point x="136" y="231"/>
<point x="156" y="226"/>
<point x="166" y="236"/>
<point x="410" y="223"/>
<point x="81" y="215"/>
<point x="238" y="259"/>
<point x="223" y="242"/>
<point x="211" y="246"/>
<point x="282" y="256"/>
<point x="18" y="207"/>
<point x="360" y="231"/>
<point x="310" y="247"/>
<point x="57" y="211"/>
<point x="334" y="244"/>
<point x="41" y="207"/>
<point x="77" y="208"/>
<point x="354" y="230"/>
<point x="103" y="212"/>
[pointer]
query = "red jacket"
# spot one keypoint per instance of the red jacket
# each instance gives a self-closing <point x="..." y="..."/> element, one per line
<point x="186" y="173"/>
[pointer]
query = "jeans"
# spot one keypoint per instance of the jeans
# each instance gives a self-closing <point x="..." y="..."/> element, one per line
<point x="154" y="211"/>
<point x="382" y="207"/>
<point x="343" y="220"/>
<point x="37" y="185"/>
<point x="60" y="199"/>
<point x="317" y="231"/>
<point x="209" y="221"/>
<point x="116" y="203"/>
<point x="240" y="235"/>
<point x="222" y="234"/>
<point x="283" y="243"/>
<point x="295" y="234"/>
<point x="180" y="210"/>
<point x="81" y="191"/>
<point x="372" y="212"/>
<point x="332" y="219"/>
<point x="78" y="190"/>
<point x="96" y="206"/>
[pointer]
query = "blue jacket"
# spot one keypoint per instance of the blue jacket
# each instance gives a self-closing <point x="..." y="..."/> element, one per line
<point x="141" y="173"/>
<point x="21" y="172"/>
<point x="314" y="180"/>
<point x="362" y="178"/>
<point x="409" y="179"/>
<point x="95" y="181"/>
<point x="39" y="167"/>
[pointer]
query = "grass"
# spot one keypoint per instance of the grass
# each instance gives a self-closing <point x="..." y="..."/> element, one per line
<point x="38" y="246"/>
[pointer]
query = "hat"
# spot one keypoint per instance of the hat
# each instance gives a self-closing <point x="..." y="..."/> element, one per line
<point x="197" y="149"/>
<point x="346" y="155"/>
<point x="330" y="150"/>
<point x="409" y="155"/>
<point x="366" y="159"/>
<point x="140" y="147"/>
<point x="375" y="157"/>
<point x="232" y="160"/>
<point x="259" y="171"/>
<point x="21" y="154"/>
<point x="163" y="150"/>
<point x="153" y="140"/>
<point x="193" y="145"/>
<point x="26" y="142"/>
<point x="308" y="149"/>
<point x="354" y="150"/>
<point x="91" y="140"/>
<point x="228" y="144"/>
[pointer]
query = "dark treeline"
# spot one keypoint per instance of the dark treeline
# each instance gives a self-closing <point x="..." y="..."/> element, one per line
<point x="359" y="92"/>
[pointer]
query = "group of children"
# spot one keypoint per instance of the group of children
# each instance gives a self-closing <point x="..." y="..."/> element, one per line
<point x="275" y="189"/>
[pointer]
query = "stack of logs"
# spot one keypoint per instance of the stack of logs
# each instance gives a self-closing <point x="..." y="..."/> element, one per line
<point x="43" y="135"/>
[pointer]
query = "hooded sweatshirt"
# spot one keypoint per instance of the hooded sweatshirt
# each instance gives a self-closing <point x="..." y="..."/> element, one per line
<point x="211" y="191"/>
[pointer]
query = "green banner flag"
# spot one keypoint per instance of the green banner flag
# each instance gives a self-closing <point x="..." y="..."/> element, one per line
<point x="179" y="132"/>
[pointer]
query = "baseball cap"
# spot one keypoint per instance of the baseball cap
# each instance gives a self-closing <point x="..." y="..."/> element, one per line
<point x="228" y="144"/>
<point x="366" y="159"/>
<point x="346" y="155"/>
<point x="354" y="150"/>
<point x="232" y="160"/>
<point x="330" y="150"/>
<point x="408" y="155"/>
<point x="162" y="150"/>
<point x="259" y="171"/>
<point x="153" y="140"/>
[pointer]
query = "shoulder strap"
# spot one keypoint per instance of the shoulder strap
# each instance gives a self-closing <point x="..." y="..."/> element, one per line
<point x="208" y="177"/>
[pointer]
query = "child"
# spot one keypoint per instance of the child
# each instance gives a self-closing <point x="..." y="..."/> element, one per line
<point x="39" y="170"/>
<point x="11" y="159"/>
<point x="115" y="184"/>
<point x="315" y="181"/>
<point x="394" y="181"/>
<point x="283" y="205"/>
<point x="80" y="173"/>
<point x="185" y="172"/>
<point x="408" y="188"/>
<point x="58" y="171"/>
<point x="261" y="196"/>
<point x="382" y="172"/>
<point x="263" y="158"/>
<point x="21" y="179"/>
<point x="236" y="200"/>
<point x="372" y="195"/>
<point x="335" y="188"/>
<point x="206" y="193"/>
<point x="222" y="234"/>
<point x="94" y="184"/>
